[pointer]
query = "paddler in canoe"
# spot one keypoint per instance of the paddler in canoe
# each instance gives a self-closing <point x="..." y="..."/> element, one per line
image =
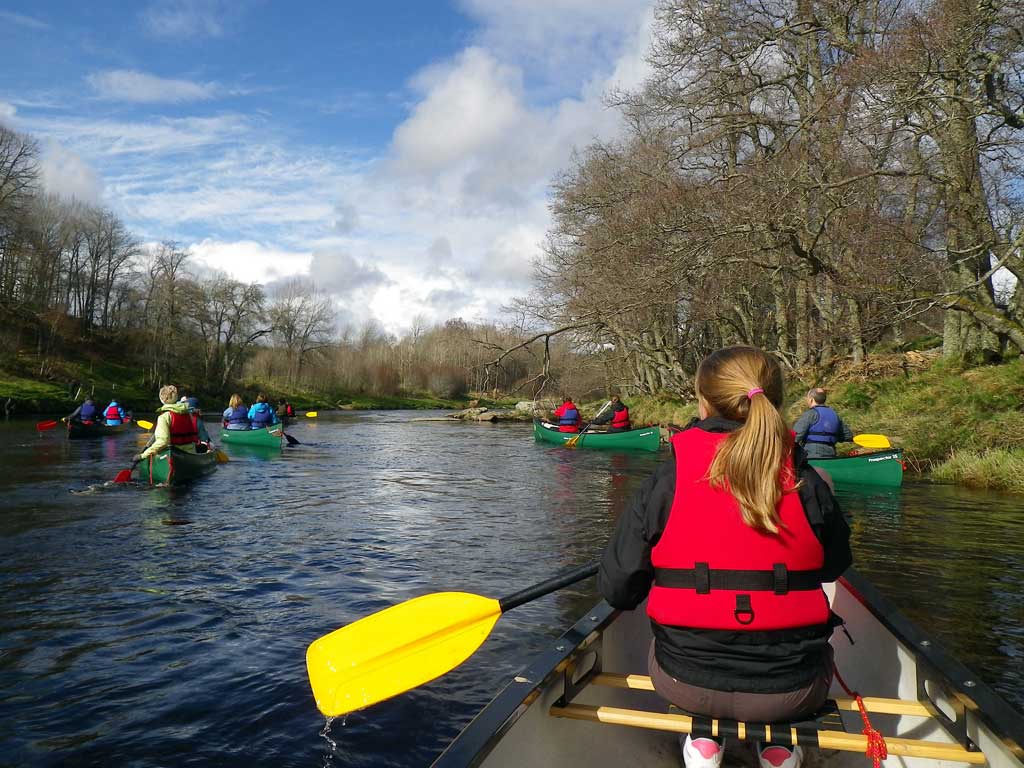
<point x="236" y="415"/>
<point x="616" y="417"/>
<point x="86" y="413"/>
<point x="177" y="425"/>
<point x="729" y="541"/>
<point x="262" y="414"/>
<point x="819" y="428"/>
<point x="568" y="416"/>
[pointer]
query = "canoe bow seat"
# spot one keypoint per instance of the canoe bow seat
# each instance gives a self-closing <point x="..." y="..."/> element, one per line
<point x="825" y="731"/>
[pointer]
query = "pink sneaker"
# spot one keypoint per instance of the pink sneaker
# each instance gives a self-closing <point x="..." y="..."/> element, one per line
<point x="774" y="756"/>
<point x="702" y="753"/>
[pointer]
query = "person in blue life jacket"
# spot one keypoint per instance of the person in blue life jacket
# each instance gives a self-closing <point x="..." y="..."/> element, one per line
<point x="114" y="413"/>
<point x="262" y="415"/>
<point x="193" y="407"/>
<point x="616" y="416"/>
<point x="819" y="428"/>
<point x="86" y="413"/>
<point x="236" y="415"/>
<point x="568" y="416"/>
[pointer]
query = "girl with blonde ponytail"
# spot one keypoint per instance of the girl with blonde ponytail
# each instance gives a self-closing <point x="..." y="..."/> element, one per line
<point x="729" y="542"/>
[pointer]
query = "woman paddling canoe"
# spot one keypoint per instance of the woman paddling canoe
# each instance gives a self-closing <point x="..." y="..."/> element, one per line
<point x="730" y="542"/>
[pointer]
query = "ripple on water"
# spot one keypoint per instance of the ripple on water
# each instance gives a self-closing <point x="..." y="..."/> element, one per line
<point x="158" y="627"/>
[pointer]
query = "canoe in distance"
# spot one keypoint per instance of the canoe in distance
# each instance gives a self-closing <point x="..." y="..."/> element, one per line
<point x="643" y="439"/>
<point x="78" y="430"/>
<point x="587" y="701"/>
<point x="268" y="437"/>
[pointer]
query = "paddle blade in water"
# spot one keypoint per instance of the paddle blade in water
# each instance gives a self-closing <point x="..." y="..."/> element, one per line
<point x="397" y="649"/>
<point x="222" y="458"/>
<point x="144" y="424"/>
<point x="311" y="414"/>
<point x="42" y="426"/>
<point x="291" y="440"/>
<point x="124" y="476"/>
<point x="872" y="441"/>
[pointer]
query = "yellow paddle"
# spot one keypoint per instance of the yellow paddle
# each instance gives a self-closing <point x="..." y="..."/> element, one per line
<point x="872" y="441"/>
<point x="144" y="424"/>
<point x="571" y="443"/>
<point x="311" y="414"/>
<point x="406" y="645"/>
<point x="222" y="458"/>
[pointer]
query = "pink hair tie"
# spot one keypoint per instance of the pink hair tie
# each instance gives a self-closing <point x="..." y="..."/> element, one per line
<point x="754" y="391"/>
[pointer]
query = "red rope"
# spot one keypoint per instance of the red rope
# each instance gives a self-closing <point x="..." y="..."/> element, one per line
<point x="877" y="750"/>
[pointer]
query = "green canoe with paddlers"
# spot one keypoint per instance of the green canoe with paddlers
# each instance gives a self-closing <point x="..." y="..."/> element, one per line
<point x="268" y="437"/>
<point x="643" y="439"/>
<point x="175" y="466"/>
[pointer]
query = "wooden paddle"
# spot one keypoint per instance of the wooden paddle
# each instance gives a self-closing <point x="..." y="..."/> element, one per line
<point x="572" y="443"/>
<point x="42" y="426"/>
<point x="406" y="645"/>
<point x="872" y="441"/>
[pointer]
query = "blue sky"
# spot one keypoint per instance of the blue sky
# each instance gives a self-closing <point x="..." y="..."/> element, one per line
<point x="399" y="153"/>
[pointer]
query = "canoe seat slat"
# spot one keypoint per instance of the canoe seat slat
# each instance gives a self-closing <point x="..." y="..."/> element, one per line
<point x="872" y="704"/>
<point x="779" y="733"/>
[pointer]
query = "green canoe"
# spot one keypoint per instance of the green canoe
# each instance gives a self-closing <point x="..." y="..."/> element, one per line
<point x="268" y="437"/>
<point x="81" y="429"/>
<point x="643" y="439"/>
<point x="176" y="467"/>
<point x="880" y="468"/>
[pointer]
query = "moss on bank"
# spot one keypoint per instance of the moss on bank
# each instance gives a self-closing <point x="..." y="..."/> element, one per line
<point x="997" y="470"/>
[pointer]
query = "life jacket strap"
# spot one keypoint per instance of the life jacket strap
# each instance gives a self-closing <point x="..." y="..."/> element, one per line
<point x="703" y="579"/>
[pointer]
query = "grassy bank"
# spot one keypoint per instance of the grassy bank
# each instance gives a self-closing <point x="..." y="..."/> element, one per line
<point x="961" y="425"/>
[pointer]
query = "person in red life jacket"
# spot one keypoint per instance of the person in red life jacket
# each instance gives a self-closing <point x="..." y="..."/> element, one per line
<point x="236" y="415"/>
<point x="114" y="413"/>
<point x="819" y="428"/>
<point x="616" y="417"/>
<point x="284" y="409"/>
<point x="86" y="413"/>
<point x="568" y="416"/>
<point x="729" y="542"/>
<point x="177" y="425"/>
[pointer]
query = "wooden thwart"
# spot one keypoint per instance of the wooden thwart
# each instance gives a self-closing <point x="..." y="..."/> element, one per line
<point x="778" y="733"/>
<point x="873" y="705"/>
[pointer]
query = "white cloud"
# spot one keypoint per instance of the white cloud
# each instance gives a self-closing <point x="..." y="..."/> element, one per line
<point x="23" y="21"/>
<point x="250" y="261"/>
<point x="7" y="113"/>
<point x="467" y="106"/>
<point x="139" y="87"/>
<point x="184" y="18"/>
<point x="66" y="174"/>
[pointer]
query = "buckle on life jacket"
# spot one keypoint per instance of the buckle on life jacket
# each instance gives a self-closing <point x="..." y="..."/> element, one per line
<point x="743" y="608"/>
<point x="702" y="578"/>
<point x="781" y="576"/>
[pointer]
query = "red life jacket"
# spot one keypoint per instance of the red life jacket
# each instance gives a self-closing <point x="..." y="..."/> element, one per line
<point x="620" y="418"/>
<point x="112" y="412"/>
<point x="713" y="571"/>
<point x="184" y="428"/>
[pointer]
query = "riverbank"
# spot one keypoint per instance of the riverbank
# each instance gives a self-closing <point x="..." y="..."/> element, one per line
<point x="955" y="424"/>
<point x="30" y="385"/>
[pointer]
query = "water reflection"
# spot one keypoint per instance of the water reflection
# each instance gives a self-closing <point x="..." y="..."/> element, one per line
<point x="151" y="626"/>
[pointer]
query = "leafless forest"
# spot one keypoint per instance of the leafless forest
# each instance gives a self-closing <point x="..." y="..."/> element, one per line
<point x="821" y="179"/>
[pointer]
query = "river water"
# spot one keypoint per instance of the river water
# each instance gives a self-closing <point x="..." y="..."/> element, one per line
<point x="153" y="627"/>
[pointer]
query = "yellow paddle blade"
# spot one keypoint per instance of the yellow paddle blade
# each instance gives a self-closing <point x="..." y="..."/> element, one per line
<point x="311" y="414"/>
<point x="872" y="441"/>
<point x="144" y="424"/>
<point x="571" y="443"/>
<point x="222" y="458"/>
<point x="397" y="649"/>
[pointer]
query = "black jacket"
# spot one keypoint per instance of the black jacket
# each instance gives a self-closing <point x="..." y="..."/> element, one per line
<point x="758" y="662"/>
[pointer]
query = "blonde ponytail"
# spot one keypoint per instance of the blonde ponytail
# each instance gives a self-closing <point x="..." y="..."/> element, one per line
<point x="744" y="384"/>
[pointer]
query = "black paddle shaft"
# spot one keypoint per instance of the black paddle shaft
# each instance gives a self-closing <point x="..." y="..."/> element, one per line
<point x="546" y="587"/>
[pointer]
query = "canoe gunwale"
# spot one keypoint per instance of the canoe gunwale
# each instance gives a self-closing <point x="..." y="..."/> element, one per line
<point x="631" y="439"/>
<point x="476" y="741"/>
<point x="489" y="725"/>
